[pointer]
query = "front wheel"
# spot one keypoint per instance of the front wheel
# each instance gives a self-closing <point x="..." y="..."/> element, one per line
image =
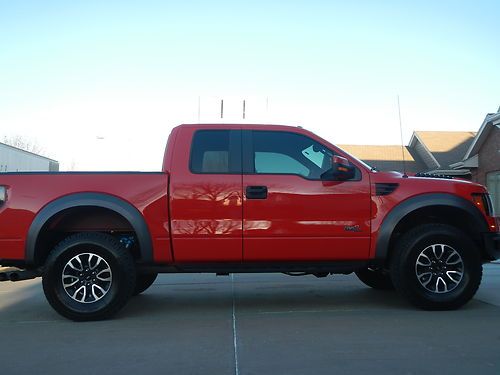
<point x="436" y="267"/>
<point x="89" y="276"/>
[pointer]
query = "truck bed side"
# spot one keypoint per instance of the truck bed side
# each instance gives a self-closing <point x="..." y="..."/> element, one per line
<point x="29" y="193"/>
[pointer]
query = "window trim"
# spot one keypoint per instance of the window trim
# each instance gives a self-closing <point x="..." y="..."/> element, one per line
<point x="248" y="161"/>
<point x="234" y="152"/>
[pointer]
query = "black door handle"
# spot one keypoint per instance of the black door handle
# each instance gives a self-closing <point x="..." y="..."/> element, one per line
<point x="256" y="192"/>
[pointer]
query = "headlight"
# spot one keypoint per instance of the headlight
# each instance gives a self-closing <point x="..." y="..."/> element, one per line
<point x="483" y="202"/>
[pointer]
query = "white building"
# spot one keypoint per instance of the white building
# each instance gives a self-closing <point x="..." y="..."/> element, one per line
<point x="13" y="159"/>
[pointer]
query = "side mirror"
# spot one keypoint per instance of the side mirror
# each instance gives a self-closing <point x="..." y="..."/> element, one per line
<point x="341" y="170"/>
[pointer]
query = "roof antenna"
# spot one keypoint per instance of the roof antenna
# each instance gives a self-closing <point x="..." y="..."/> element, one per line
<point x="402" y="145"/>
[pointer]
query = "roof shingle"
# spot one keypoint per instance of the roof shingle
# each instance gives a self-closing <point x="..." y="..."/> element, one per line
<point x="447" y="147"/>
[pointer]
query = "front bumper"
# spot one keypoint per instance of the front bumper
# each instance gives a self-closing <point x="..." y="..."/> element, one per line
<point x="492" y="245"/>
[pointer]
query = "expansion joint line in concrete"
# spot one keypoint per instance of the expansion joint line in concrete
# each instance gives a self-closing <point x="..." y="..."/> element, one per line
<point x="235" y="333"/>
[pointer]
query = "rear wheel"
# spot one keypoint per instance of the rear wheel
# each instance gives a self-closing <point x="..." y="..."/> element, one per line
<point x="375" y="278"/>
<point x="436" y="267"/>
<point x="89" y="276"/>
<point x="144" y="281"/>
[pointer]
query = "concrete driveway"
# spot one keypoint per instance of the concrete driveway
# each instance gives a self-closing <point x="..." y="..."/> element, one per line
<point x="253" y="324"/>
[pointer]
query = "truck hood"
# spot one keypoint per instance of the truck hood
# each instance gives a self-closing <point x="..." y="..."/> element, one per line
<point x="427" y="183"/>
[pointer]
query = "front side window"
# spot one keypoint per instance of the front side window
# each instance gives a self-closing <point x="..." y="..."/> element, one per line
<point x="289" y="153"/>
<point x="216" y="152"/>
<point x="272" y="162"/>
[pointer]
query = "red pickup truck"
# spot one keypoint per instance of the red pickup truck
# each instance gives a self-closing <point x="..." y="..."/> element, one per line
<point x="244" y="198"/>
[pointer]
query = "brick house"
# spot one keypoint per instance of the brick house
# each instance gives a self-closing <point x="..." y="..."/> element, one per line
<point x="428" y="151"/>
<point x="440" y="149"/>
<point x="482" y="157"/>
<point x="468" y="155"/>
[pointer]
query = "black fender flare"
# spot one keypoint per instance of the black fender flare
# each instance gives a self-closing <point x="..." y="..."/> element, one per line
<point x="422" y="201"/>
<point x="121" y="207"/>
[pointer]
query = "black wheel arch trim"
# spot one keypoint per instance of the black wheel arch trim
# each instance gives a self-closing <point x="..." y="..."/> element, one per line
<point x="121" y="207"/>
<point x="422" y="201"/>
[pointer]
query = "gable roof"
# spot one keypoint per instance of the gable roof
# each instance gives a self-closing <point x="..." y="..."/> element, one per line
<point x="491" y="120"/>
<point x="385" y="158"/>
<point x="445" y="147"/>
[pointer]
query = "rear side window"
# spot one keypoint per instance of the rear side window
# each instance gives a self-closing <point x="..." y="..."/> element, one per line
<point x="216" y="152"/>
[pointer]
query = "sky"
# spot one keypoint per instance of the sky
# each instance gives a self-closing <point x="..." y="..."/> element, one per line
<point x="100" y="84"/>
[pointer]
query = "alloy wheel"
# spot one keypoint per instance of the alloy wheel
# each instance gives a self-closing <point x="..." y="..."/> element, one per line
<point x="439" y="268"/>
<point x="87" y="278"/>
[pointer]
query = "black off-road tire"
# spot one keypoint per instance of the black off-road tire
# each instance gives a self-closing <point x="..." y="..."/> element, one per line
<point x="111" y="256"/>
<point x="143" y="282"/>
<point x="434" y="296"/>
<point x="375" y="278"/>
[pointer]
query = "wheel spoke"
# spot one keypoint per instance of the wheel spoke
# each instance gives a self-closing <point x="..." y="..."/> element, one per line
<point x="101" y="290"/>
<point x="438" y="280"/>
<point x="436" y="253"/>
<point x="456" y="273"/>
<point x="79" y="261"/>
<point x="419" y="261"/>
<point x="80" y="289"/>
<point x="108" y="271"/>
<point x="452" y="255"/>
<point x="98" y="261"/>
<point x="75" y="278"/>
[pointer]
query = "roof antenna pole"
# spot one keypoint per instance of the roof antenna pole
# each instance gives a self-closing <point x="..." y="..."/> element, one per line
<point x="402" y="145"/>
<point x="199" y="108"/>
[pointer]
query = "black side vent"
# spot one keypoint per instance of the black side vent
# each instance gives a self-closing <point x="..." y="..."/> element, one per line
<point x="385" y="188"/>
